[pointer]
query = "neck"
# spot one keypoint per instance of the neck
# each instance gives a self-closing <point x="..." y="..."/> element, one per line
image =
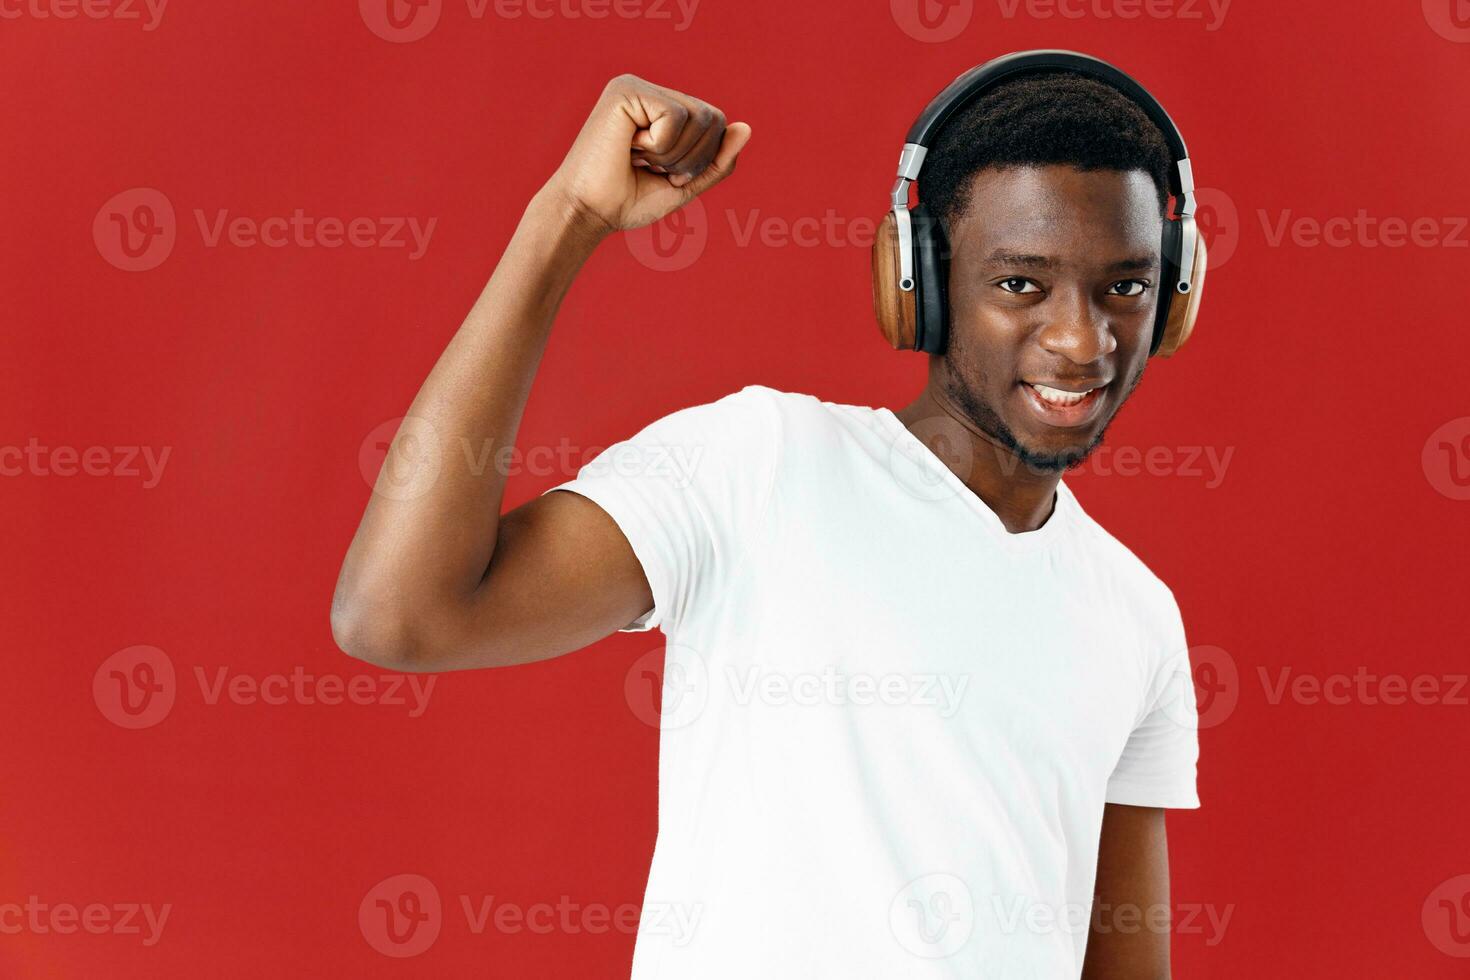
<point x="1020" y="496"/>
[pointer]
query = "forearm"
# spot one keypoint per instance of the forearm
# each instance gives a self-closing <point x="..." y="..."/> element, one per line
<point x="429" y="531"/>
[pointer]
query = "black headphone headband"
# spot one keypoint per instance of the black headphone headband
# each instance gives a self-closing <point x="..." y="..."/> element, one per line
<point x="976" y="81"/>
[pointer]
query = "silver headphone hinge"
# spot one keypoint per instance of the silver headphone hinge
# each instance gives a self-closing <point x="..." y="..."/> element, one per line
<point x="1188" y="233"/>
<point x="905" y="248"/>
<point x="1185" y="205"/>
<point x="910" y="162"/>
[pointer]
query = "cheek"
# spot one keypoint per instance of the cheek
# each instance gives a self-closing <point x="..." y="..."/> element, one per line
<point x="1134" y="337"/>
<point x="976" y="358"/>
<point x="989" y="336"/>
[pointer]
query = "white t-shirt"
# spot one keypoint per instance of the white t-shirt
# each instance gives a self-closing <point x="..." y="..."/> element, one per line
<point x="889" y="726"/>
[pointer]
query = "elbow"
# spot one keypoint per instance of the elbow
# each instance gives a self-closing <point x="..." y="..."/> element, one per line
<point x="369" y="631"/>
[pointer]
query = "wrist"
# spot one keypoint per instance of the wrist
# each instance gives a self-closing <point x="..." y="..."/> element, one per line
<point x="569" y="215"/>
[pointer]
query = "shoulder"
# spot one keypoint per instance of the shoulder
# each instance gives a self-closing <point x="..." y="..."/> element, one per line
<point x="736" y="428"/>
<point x="808" y="420"/>
<point x="777" y="416"/>
<point x="753" y="428"/>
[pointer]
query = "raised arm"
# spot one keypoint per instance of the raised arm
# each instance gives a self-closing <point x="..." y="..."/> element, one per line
<point x="435" y="577"/>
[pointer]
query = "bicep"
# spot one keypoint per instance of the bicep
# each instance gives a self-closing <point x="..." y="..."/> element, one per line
<point x="562" y="576"/>
<point x="1129" y="938"/>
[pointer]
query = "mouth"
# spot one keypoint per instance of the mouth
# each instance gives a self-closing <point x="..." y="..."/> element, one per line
<point x="1064" y="407"/>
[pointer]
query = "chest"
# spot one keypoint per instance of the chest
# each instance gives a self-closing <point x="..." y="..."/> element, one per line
<point x="932" y="628"/>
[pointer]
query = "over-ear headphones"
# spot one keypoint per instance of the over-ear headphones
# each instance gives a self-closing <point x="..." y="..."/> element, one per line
<point x="911" y="254"/>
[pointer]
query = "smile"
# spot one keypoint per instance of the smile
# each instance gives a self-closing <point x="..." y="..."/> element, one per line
<point x="1062" y="408"/>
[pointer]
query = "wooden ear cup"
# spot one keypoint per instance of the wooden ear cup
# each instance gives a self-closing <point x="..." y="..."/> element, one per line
<point x="894" y="307"/>
<point x="1183" y="308"/>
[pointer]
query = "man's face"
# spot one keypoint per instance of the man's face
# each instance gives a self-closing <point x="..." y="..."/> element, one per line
<point x="1053" y="282"/>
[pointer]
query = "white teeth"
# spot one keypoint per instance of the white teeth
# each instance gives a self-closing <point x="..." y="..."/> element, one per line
<point x="1055" y="396"/>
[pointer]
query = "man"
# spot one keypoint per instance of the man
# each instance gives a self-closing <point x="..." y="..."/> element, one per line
<point x="927" y="713"/>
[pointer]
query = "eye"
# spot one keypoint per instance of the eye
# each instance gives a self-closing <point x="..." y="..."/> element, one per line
<point x="1134" y="287"/>
<point x="1017" y="284"/>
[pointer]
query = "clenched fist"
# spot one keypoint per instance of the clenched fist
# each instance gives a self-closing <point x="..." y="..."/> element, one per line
<point x="645" y="151"/>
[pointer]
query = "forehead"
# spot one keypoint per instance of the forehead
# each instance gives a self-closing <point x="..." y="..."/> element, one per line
<point x="1057" y="209"/>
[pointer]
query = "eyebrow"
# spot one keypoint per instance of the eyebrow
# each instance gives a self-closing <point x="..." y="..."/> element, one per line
<point x="1001" y="256"/>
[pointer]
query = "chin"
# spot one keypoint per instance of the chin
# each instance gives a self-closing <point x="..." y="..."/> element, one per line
<point x="1053" y="455"/>
<point x="1056" y="462"/>
<point x="1040" y="448"/>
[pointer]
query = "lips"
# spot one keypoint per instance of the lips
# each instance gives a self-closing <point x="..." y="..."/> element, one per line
<point x="1064" y="407"/>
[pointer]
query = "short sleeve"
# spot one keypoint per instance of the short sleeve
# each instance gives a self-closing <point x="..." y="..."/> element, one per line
<point x="689" y="492"/>
<point x="1158" y="766"/>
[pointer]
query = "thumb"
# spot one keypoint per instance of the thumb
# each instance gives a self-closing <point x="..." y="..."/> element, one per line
<point x="737" y="134"/>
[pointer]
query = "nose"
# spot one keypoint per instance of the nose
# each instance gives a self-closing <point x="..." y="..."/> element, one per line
<point x="1076" y="329"/>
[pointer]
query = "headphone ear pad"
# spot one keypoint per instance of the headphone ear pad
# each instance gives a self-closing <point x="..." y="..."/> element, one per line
<point x="931" y="269"/>
<point x="895" y="309"/>
<point x="1185" y="307"/>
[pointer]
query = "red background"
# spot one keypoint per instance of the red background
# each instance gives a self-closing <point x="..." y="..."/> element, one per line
<point x="1327" y="547"/>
